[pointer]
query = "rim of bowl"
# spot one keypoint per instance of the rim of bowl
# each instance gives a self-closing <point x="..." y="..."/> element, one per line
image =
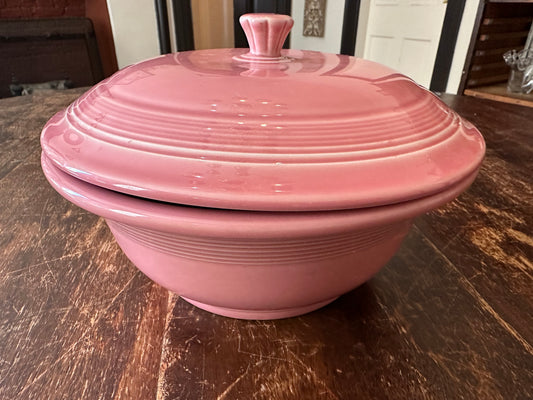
<point x="212" y="222"/>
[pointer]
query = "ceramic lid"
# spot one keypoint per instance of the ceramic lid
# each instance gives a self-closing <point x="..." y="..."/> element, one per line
<point x="263" y="129"/>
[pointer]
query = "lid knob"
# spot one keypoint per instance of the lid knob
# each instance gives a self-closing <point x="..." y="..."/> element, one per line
<point x="266" y="34"/>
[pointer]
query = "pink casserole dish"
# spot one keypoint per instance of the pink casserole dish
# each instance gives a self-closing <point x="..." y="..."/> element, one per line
<point x="259" y="183"/>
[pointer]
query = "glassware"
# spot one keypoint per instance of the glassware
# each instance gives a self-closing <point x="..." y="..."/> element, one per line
<point x="519" y="61"/>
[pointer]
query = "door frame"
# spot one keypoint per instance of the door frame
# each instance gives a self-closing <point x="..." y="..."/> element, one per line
<point x="447" y="43"/>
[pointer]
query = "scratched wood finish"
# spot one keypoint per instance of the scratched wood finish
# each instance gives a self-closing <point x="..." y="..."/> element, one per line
<point x="413" y="332"/>
<point x="77" y="321"/>
<point x="450" y="317"/>
<point x="490" y="228"/>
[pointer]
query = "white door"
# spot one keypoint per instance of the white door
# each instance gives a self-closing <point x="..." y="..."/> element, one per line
<point x="404" y="35"/>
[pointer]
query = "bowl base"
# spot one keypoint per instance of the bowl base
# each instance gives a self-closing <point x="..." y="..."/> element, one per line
<point x="259" y="314"/>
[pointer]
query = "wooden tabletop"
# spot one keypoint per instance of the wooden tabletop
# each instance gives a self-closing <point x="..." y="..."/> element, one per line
<point x="449" y="317"/>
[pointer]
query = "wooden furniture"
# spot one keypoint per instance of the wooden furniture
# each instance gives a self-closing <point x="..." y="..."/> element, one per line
<point x="42" y="50"/>
<point x="450" y="317"/>
<point x="500" y="26"/>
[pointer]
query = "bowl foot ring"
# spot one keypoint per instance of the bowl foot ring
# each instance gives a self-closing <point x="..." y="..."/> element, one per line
<point x="259" y="314"/>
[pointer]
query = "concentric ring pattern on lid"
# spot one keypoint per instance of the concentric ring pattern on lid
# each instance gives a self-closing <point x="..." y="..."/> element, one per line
<point x="303" y="131"/>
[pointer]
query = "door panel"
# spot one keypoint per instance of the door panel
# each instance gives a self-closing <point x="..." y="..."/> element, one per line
<point x="381" y="49"/>
<point x="404" y="35"/>
<point x="415" y="58"/>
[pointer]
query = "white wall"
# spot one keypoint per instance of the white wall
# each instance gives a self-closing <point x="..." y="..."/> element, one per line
<point x="461" y="47"/>
<point x="134" y="27"/>
<point x="331" y="42"/>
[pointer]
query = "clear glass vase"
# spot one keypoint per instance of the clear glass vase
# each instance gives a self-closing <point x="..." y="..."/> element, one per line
<point x="514" y="83"/>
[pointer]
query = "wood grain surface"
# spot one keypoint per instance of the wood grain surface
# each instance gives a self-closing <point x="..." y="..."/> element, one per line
<point x="450" y="316"/>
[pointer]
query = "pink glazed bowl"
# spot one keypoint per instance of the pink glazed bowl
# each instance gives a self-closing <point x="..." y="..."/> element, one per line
<point x="259" y="184"/>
